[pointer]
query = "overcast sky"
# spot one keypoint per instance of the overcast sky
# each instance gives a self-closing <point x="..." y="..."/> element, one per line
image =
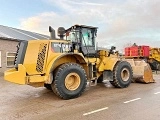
<point x="119" y="22"/>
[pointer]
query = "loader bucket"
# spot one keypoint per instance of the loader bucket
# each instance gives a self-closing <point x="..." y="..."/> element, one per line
<point x="141" y="71"/>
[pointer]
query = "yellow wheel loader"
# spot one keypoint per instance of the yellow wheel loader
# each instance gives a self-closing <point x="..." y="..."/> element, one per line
<point x="65" y="65"/>
<point x="154" y="58"/>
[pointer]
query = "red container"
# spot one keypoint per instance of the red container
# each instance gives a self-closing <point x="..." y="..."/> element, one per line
<point x="127" y="51"/>
<point x="145" y="51"/>
<point x="137" y="51"/>
<point x="134" y="51"/>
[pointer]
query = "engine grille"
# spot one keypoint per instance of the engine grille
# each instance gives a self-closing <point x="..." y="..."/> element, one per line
<point x="41" y="57"/>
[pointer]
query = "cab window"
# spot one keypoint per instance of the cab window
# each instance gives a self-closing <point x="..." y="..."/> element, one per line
<point x="87" y="37"/>
<point x="73" y="36"/>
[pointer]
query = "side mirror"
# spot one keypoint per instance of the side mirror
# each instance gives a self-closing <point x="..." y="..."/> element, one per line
<point x="113" y="48"/>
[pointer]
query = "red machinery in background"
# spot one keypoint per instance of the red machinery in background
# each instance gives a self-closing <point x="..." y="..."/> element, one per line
<point x="137" y="51"/>
<point x="150" y="55"/>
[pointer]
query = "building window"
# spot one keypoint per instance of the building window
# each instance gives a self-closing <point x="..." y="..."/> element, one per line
<point x="10" y="57"/>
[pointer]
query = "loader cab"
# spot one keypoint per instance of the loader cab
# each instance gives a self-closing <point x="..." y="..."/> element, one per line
<point x="83" y="39"/>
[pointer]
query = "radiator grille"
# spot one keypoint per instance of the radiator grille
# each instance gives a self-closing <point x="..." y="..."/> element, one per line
<point x="41" y="57"/>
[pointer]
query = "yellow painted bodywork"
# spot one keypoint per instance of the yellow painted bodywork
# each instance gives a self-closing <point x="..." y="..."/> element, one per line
<point x="30" y="59"/>
<point x="155" y="54"/>
<point x="19" y="76"/>
<point x="28" y="73"/>
<point x="107" y="63"/>
<point x="16" y="76"/>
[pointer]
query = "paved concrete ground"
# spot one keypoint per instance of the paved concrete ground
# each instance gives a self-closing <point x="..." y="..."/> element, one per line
<point x="137" y="102"/>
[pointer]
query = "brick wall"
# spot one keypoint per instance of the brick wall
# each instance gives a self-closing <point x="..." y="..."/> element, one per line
<point x="6" y="46"/>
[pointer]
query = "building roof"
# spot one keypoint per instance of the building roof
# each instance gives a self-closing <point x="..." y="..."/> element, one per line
<point x="18" y="34"/>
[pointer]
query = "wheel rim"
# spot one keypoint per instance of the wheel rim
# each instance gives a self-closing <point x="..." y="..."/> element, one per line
<point x="72" y="81"/>
<point x="125" y="74"/>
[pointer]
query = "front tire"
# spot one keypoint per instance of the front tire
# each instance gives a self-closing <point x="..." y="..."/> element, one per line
<point x="122" y="74"/>
<point x="70" y="81"/>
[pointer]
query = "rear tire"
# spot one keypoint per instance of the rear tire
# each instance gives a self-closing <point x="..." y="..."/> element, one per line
<point x="122" y="74"/>
<point x="70" y="81"/>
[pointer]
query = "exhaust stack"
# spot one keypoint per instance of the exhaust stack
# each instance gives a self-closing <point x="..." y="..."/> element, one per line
<point x="52" y="33"/>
